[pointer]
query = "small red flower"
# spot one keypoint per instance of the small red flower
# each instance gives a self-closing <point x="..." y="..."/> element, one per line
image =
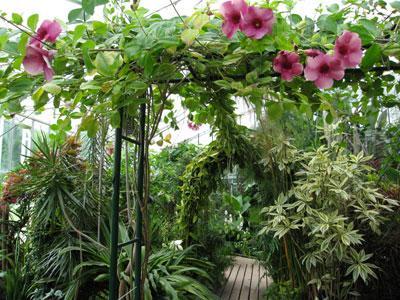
<point x="348" y="49"/>
<point x="257" y="22"/>
<point x="232" y="12"/>
<point x="323" y="70"/>
<point x="288" y="65"/>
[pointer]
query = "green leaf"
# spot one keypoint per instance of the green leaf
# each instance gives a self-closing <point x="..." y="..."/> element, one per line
<point x="3" y="40"/>
<point x="200" y="21"/>
<point x="33" y="21"/>
<point x="3" y="93"/>
<point x="99" y="28"/>
<point x="21" y="85"/>
<point x="138" y="85"/>
<point x="107" y="63"/>
<point x="16" y="18"/>
<point x="333" y="8"/>
<point x="40" y="98"/>
<point x="89" y="125"/>
<point x="188" y="36"/>
<point x="23" y="41"/>
<point x="372" y="56"/>
<point x="148" y="64"/>
<point x="327" y="23"/>
<point x="52" y="88"/>
<point x="115" y="119"/>
<point x="223" y="83"/>
<point x="78" y="33"/>
<point x="88" y="6"/>
<point x="75" y="14"/>
<point x="86" y="47"/>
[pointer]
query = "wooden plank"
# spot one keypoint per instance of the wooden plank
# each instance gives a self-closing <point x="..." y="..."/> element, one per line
<point x="246" y="286"/>
<point x="225" y="294"/>
<point x="254" y="282"/>
<point x="235" y="294"/>
<point x="227" y="274"/>
<point x="263" y="281"/>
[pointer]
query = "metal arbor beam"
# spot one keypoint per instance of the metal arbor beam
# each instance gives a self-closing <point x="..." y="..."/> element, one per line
<point x="113" y="281"/>
<point x="139" y="203"/>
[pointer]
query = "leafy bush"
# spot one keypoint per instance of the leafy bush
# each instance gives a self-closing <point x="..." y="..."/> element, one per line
<point x="321" y="219"/>
<point x="175" y="274"/>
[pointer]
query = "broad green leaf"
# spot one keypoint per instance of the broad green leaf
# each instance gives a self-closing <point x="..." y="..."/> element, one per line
<point x="78" y="33"/>
<point x="148" y="64"/>
<point x="372" y="56"/>
<point x="40" y="98"/>
<point x="3" y="40"/>
<point x="327" y="23"/>
<point x="107" y="63"/>
<point x="52" y="88"/>
<point x="88" y="6"/>
<point x="75" y="14"/>
<point x="21" y="85"/>
<point x="99" y="28"/>
<point x="188" y="36"/>
<point x="138" y="85"/>
<point x="115" y="119"/>
<point x="86" y="47"/>
<point x="16" y="18"/>
<point x="3" y="93"/>
<point x="89" y="125"/>
<point x="23" y="41"/>
<point x="33" y="21"/>
<point x="333" y="8"/>
<point x="200" y="21"/>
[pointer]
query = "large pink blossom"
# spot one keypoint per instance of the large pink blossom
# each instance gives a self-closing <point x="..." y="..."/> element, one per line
<point x="37" y="61"/>
<point x="232" y="12"/>
<point x="323" y="69"/>
<point x="257" y="22"/>
<point x="348" y="49"/>
<point x="48" y="31"/>
<point x="288" y="65"/>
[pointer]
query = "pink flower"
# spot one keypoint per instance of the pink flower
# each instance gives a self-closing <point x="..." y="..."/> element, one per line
<point x="348" y="49"/>
<point x="257" y="22"/>
<point x="288" y="65"/>
<point x="193" y="126"/>
<point x="37" y="61"/>
<point x="313" y="52"/>
<point x="232" y="12"/>
<point x="48" y="31"/>
<point x="323" y="69"/>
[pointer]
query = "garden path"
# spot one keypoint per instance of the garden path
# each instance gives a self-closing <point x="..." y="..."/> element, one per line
<point x="245" y="280"/>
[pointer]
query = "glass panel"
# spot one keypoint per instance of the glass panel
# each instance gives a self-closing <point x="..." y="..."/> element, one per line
<point x="11" y="146"/>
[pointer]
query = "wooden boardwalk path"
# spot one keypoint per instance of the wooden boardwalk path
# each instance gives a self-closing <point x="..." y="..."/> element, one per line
<point x="245" y="280"/>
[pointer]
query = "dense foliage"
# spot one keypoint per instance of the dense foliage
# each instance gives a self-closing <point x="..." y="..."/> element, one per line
<point x="55" y="242"/>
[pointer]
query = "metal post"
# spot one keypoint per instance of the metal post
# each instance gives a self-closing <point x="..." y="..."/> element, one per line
<point x="113" y="282"/>
<point x="140" y="188"/>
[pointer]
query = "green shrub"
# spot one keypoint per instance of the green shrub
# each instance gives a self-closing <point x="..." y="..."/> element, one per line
<point x="321" y="220"/>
